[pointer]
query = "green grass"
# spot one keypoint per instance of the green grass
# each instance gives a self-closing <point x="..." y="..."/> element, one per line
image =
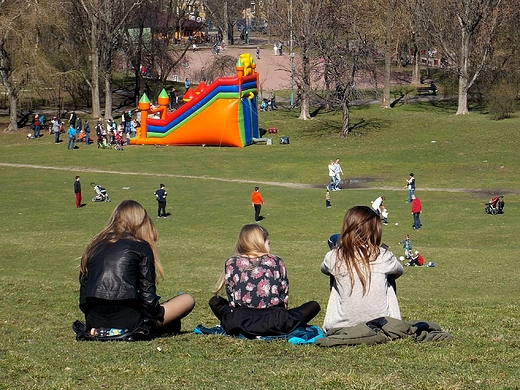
<point x="472" y="293"/>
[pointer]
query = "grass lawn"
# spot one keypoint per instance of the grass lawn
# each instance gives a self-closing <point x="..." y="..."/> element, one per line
<point x="473" y="292"/>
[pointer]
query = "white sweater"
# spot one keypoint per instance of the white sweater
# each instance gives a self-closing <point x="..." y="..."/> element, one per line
<point x="345" y="309"/>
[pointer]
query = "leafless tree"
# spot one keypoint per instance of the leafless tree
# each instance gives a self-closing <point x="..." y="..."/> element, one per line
<point x="106" y="22"/>
<point x="464" y="30"/>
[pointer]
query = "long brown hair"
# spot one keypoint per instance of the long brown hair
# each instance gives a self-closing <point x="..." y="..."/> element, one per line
<point x="358" y="244"/>
<point x="128" y="220"/>
<point x="252" y="242"/>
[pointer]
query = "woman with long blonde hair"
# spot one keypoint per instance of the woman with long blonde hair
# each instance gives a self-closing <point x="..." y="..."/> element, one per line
<point x="363" y="273"/>
<point x="257" y="289"/>
<point x="118" y="274"/>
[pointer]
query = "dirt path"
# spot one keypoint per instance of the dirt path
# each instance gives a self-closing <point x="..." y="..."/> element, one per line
<point x="353" y="184"/>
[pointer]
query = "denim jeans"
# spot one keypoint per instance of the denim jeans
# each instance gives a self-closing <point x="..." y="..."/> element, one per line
<point x="416" y="221"/>
<point x="70" y="143"/>
<point x="410" y="193"/>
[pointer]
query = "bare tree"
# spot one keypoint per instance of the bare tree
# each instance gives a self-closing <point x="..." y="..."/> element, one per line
<point x="106" y="24"/>
<point x="464" y="30"/>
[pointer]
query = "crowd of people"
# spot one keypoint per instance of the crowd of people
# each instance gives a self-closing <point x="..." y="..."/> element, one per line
<point x="108" y="133"/>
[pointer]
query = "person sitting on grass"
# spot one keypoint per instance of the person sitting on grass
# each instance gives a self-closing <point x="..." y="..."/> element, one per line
<point x="257" y="289"/>
<point x="417" y="260"/>
<point x="118" y="275"/>
<point x="363" y="272"/>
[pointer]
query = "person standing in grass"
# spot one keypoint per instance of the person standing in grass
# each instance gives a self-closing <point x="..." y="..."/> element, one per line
<point x="86" y="129"/>
<point x="77" y="191"/>
<point x="71" y="132"/>
<point x="36" y="126"/>
<point x="410" y="185"/>
<point x="160" y="195"/>
<point x="257" y="201"/>
<point x="118" y="274"/>
<point x="407" y="245"/>
<point x="257" y="289"/>
<point x="416" y="212"/>
<point x="363" y="272"/>
<point x="327" y="199"/>
<point x="56" y="128"/>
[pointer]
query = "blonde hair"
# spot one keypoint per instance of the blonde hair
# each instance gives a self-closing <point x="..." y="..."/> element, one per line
<point x="128" y="220"/>
<point x="252" y="242"/>
<point x="358" y="244"/>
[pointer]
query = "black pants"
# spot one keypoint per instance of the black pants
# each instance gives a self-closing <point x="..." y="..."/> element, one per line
<point x="273" y="321"/>
<point x="257" y="212"/>
<point x="161" y="210"/>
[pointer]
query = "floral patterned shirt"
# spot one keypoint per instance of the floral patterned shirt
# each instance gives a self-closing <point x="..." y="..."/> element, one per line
<point x="264" y="286"/>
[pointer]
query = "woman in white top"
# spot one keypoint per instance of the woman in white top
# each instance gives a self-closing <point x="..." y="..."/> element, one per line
<point x="363" y="272"/>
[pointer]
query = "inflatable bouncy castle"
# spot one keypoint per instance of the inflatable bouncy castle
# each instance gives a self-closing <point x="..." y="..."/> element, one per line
<point x="223" y="113"/>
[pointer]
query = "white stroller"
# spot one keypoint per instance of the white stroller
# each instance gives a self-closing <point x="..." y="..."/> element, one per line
<point x="101" y="193"/>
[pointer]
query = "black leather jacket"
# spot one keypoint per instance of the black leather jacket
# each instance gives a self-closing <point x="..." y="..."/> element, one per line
<point x="122" y="271"/>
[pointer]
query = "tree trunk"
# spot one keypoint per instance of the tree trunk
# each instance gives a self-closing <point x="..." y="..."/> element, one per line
<point x="345" y="126"/>
<point x="5" y="70"/>
<point x="225" y="31"/>
<point x="108" y="93"/>
<point x="416" y="70"/>
<point x="94" y="62"/>
<point x="306" y="84"/>
<point x="388" y="55"/>
<point x="462" y="108"/>
<point x="13" y="113"/>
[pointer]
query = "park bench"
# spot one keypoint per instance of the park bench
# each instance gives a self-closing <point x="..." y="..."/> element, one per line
<point x="429" y="90"/>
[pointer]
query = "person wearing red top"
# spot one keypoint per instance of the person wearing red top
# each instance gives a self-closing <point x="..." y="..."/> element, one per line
<point x="257" y="201"/>
<point x="416" y="211"/>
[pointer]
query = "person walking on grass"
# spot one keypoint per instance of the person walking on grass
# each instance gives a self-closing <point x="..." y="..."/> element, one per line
<point x="257" y="201"/>
<point x="337" y="173"/>
<point x="332" y="174"/>
<point x="77" y="192"/>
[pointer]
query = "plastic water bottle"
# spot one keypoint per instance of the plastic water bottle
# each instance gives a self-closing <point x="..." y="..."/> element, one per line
<point x="104" y="332"/>
<point x="116" y="331"/>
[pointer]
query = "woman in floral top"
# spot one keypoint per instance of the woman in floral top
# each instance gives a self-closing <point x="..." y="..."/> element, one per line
<point x="258" y="290"/>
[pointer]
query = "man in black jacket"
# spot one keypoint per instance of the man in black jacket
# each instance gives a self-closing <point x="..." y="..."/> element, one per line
<point x="160" y="195"/>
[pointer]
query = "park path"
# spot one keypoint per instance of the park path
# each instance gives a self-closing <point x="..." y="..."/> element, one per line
<point x="274" y="70"/>
<point x="271" y="183"/>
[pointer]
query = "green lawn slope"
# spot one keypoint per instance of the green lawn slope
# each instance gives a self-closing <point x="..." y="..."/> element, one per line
<point x="473" y="292"/>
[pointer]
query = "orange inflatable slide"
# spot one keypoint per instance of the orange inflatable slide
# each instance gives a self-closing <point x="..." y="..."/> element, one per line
<point x="224" y="113"/>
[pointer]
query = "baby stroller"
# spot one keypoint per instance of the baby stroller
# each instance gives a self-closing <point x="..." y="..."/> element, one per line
<point x="101" y="193"/>
<point x="495" y="206"/>
<point x="118" y="141"/>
